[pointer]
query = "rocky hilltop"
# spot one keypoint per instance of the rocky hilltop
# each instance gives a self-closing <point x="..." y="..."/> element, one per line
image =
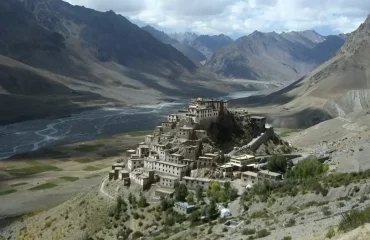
<point x="273" y="56"/>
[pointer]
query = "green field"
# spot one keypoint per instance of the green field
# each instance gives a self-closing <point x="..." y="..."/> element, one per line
<point x="85" y="160"/>
<point x="43" y="186"/>
<point x="7" y="192"/>
<point x="88" y="148"/>
<point x="289" y="132"/>
<point x="35" y="169"/>
<point x="139" y="133"/>
<point x="70" y="179"/>
<point x="93" y="176"/>
<point x="91" y="168"/>
<point x="18" y="184"/>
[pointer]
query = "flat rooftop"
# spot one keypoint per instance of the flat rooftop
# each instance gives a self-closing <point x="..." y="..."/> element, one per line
<point x="267" y="172"/>
<point x="197" y="179"/>
<point x="165" y="190"/>
<point x="226" y="166"/>
<point x="184" y="205"/>
<point x="258" y="117"/>
<point x="187" y="160"/>
<point x="187" y="128"/>
<point x="171" y="164"/>
<point x="248" y="173"/>
<point x="243" y="157"/>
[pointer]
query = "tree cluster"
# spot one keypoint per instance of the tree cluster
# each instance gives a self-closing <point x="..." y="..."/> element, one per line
<point x="222" y="193"/>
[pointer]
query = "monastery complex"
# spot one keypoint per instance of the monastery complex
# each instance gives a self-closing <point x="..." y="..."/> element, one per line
<point x="180" y="148"/>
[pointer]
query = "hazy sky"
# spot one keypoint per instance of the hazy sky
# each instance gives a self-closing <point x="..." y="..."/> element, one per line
<point x="239" y="17"/>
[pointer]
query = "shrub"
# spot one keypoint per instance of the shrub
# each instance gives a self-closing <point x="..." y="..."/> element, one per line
<point x="290" y="222"/>
<point x="209" y="230"/>
<point x="262" y="233"/>
<point x="137" y="235"/>
<point x="354" y="219"/>
<point x="341" y="204"/>
<point x="330" y="233"/>
<point x="135" y="215"/>
<point x="326" y="211"/>
<point x="222" y="220"/>
<point x="324" y="192"/>
<point x="140" y="224"/>
<point x="170" y="221"/>
<point x="363" y="199"/>
<point x="259" y="214"/>
<point x="249" y="231"/>
<point x="224" y="229"/>
<point x="287" y="238"/>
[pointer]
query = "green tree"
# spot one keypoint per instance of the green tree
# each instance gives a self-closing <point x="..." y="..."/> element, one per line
<point x="165" y="204"/>
<point x="131" y="199"/>
<point x="277" y="163"/>
<point x="181" y="192"/>
<point x="211" y="209"/>
<point x="194" y="216"/>
<point x="233" y="194"/>
<point x="142" y="203"/>
<point x="227" y="185"/>
<point x="190" y="198"/>
<point x="307" y="168"/>
<point x="199" y="193"/>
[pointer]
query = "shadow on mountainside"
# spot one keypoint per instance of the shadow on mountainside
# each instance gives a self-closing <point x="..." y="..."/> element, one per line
<point x="277" y="97"/>
<point x="300" y="119"/>
<point x="181" y="89"/>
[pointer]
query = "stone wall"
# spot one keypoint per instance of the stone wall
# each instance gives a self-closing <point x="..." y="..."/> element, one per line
<point x="258" y="141"/>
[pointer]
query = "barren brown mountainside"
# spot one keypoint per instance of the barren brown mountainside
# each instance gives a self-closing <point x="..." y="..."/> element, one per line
<point x="101" y="54"/>
<point x="273" y="56"/>
<point x="335" y="88"/>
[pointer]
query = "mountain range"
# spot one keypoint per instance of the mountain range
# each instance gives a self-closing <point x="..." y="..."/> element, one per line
<point x="56" y="58"/>
<point x="75" y="53"/>
<point x="273" y="56"/>
<point x="336" y="88"/>
<point x="198" y="48"/>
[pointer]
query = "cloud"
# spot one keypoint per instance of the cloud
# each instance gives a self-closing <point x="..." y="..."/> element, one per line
<point x="239" y="16"/>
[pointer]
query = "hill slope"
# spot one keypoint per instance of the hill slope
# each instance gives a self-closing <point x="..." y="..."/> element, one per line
<point x="273" y="56"/>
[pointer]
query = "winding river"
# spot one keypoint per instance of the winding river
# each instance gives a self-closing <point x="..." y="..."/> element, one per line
<point x="88" y="125"/>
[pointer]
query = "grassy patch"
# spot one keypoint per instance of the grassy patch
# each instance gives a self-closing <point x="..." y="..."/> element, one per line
<point x="18" y="184"/>
<point x="354" y="219"/>
<point x="43" y="186"/>
<point x="35" y="169"/>
<point x="289" y="132"/>
<point x="85" y="160"/>
<point x="7" y="192"/>
<point x="93" y="176"/>
<point x="70" y="179"/>
<point x="91" y="168"/>
<point x="88" y="148"/>
<point x="139" y="133"/>
<point x="111" y="153"/>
